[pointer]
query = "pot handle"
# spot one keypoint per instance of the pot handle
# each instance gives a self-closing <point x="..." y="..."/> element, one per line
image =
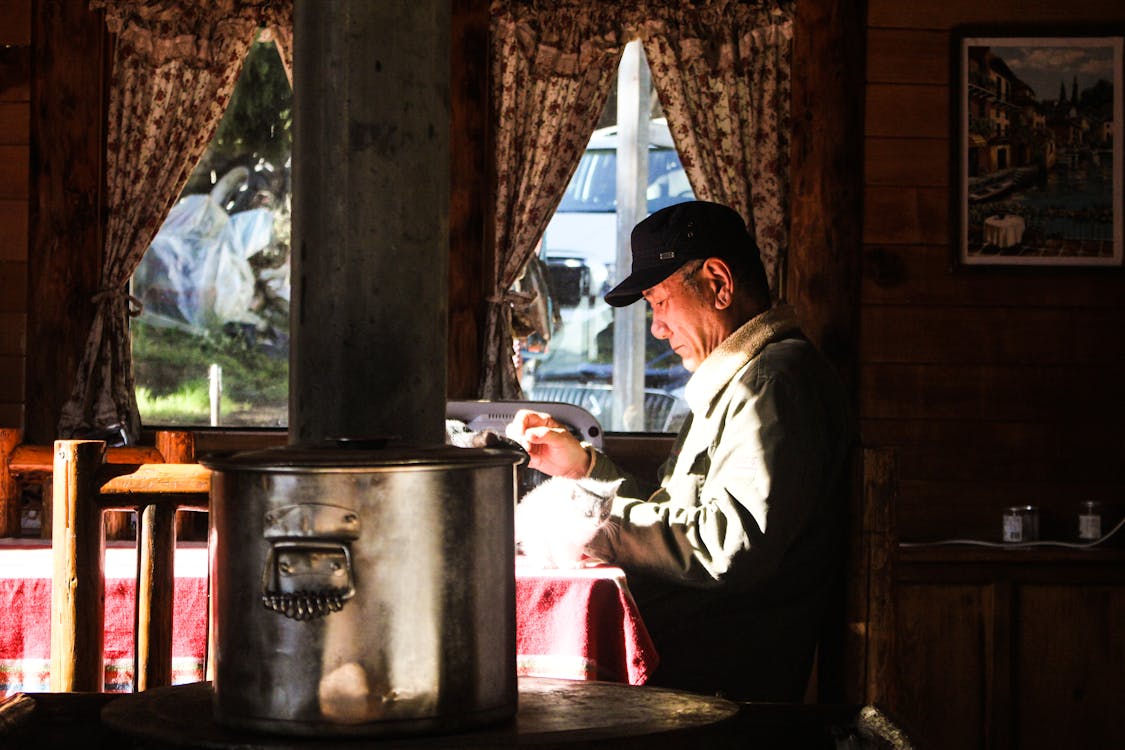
<point x="306" y="580"/>
<point x="308" y="571"/>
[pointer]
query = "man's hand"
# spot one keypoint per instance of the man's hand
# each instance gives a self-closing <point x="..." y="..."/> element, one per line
<point x="550" y="446"/>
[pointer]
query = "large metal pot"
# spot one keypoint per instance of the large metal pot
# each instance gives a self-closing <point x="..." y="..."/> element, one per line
<point x="363" y="592"/>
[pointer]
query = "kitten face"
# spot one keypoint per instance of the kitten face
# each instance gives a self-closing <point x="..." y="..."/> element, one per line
<point x="556" y="520"/>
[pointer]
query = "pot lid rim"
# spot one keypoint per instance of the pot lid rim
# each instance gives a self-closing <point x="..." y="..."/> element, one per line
<point x="296" y="458"/>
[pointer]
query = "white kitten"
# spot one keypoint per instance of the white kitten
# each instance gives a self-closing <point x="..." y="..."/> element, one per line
<point x="556" y="520"/>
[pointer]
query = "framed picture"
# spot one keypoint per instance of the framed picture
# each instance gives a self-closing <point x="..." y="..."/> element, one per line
<point x="1037" y="149"/>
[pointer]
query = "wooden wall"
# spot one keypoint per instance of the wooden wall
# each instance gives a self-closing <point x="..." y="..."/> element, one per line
<point x="15" y="158"/>
<point x="994" y="387"/>
<point x="997" y="386"/>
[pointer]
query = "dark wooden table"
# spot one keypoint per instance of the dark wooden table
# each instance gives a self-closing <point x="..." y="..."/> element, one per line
<point x="552" y="714"/>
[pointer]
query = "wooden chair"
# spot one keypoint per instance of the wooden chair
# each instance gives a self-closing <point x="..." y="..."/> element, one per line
<point x="24" y="463"/>
<point x="85" y="485"/>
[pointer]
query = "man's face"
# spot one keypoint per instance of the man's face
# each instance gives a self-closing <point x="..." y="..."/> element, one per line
<point x="686" y="318"/>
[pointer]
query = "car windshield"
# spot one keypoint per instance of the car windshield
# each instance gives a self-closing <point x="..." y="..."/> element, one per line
<point x="593" y="189"/>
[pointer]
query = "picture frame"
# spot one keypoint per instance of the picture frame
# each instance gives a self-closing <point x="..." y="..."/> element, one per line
<point x="1037" y="148"/>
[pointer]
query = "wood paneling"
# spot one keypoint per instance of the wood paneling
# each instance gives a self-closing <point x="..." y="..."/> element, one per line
<point x="907" y="56"/>
<point x="11" y="378"/>
<point x="898" y="111"/>
<point x="943" y="648"/>
<point x="14" y="123"/>
<point x="13" y="172"/>
<point x="906" y="161"/>
<point x="15" y="73"/>
<point x="15" y="22"/>
<point x="1011" y="649"/>
<point x="13" y="334"/>
<point x="13" y="286"/>
<point x="970" y="449"/>
<point x="15" y="158"/>
<point x="946" y="14"/>
<point x="1060" y="680"/>
<point x="922" y="275"/>
<point x="991" y="335"/>
<point x="11" y="415"/>
<point x="13" y="230"/>
<point x="905" y="215"/>
<point x="1030" y="392"/>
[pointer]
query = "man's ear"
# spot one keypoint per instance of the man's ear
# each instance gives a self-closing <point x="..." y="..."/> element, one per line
<point x="721" y="280"/>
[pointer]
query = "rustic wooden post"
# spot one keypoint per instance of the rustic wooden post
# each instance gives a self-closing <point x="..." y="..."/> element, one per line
<point x="880" y="490"/>
<point x="159" y="524"/>
<point x="156" y="550"/>
<point x="47" y="509"/>
<point x="178" y="447"/>
<point x="78" y="585"/>
<point x="470" y="233"/>
<point x="826" y="147"/>
<point x="821" y="273"/>
<point x="9" y="487"/>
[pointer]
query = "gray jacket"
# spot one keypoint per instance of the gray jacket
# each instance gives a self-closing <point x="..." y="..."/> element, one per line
<point x="732" y="558"/>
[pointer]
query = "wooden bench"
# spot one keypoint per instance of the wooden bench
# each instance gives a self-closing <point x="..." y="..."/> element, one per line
<point x="84" y="487"/>
<point x="22" y="464"/>
<point x="86" y="479"/>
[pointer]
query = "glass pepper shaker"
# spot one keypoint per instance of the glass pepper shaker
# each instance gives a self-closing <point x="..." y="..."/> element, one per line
<point x="1089" y="520"/>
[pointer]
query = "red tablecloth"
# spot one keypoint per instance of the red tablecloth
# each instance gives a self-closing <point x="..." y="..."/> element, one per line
<point x="580" y="624"/>
<point x="25" y="615"/>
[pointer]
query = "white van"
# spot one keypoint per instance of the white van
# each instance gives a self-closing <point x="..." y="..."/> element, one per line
<point x="579" y="247"/>
<point x="585" y="223"/>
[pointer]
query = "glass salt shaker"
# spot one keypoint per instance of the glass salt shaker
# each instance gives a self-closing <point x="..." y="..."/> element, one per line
<point x="1021" y="524"/>
<point x="1089" y="520"/>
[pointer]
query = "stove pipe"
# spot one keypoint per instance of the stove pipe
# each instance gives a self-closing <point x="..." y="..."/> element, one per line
<point x="370" y="220"/>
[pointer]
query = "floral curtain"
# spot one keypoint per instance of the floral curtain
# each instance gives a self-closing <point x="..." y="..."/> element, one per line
<point x="174" y="67"/>
<point x="281" y="34"/>
<point x="721" y="68"/>
<point x="552" y="67"/>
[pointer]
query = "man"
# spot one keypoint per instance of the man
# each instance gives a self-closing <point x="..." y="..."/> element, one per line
<point x="733" y="558"/>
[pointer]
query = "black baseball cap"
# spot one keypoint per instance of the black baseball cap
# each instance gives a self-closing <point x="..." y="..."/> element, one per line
<point x="674" y="235"/>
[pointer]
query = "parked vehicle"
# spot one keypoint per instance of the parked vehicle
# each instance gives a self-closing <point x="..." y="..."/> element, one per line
<point x="580" y="249"/>
<point x="585" y="223"/>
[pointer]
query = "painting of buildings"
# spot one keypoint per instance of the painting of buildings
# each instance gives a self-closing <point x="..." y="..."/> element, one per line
<point x="1039" y="151"/>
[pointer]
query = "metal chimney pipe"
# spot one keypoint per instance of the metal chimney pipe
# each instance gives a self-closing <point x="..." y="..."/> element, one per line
<point x="370" y="220"/>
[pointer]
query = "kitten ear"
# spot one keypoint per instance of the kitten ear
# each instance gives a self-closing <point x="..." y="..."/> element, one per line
<point x="615" y="485"/>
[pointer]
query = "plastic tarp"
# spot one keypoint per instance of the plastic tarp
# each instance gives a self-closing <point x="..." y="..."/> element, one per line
<point x="196" y="273"/>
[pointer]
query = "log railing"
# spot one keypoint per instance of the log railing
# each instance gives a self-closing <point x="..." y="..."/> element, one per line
<point x="84" y="487"/>
<point x="21" y="464"/>
<point x="86" y="479"/>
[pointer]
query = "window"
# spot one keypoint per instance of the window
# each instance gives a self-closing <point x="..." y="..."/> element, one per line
<point x="215" y="280"/>
<point x="580" y="249"/>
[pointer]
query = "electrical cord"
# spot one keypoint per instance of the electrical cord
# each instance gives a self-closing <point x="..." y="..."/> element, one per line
<point x="1010" y="545"/>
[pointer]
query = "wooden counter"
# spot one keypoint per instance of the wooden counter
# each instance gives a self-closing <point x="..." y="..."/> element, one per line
<point x="1009" y="647"/>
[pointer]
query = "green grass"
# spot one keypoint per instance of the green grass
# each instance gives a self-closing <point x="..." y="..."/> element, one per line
<point x="171" y="368"/>
<point x="189" y="405"/>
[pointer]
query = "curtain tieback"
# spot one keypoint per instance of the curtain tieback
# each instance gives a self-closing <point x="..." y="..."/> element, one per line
<point x="135" y="306"/>
<point x="514" y="299"/>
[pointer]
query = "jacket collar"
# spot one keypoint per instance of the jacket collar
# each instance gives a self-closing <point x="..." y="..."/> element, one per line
<point x="736" y="350"/>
